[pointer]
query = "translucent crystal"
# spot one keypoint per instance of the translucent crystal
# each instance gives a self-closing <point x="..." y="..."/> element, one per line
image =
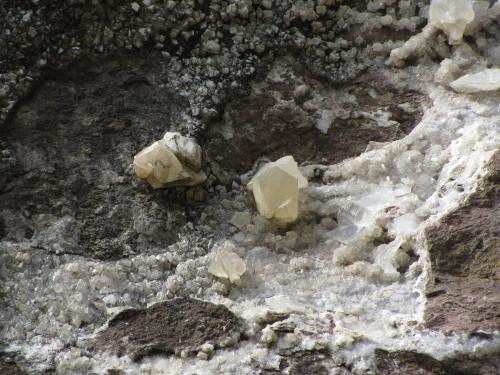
<point x="276" y="190"/>
<point x="172" y="161"/>
<point x="186" y="149"/>
<point x="451" y="16"/>
<point x="447" y="72"/>
<point x="227" y="264"/>
<point x="486" y="80"/>
<point x="158" y="164"/>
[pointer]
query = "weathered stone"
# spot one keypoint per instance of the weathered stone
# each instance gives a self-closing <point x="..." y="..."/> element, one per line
<point x="288" y="121"/>
<point x="78" y="197"/>
<point x="463" y="290"/>
<point x="181" y="324"/>
<point x="9" y="367"/>
<point x="414" y="363"/>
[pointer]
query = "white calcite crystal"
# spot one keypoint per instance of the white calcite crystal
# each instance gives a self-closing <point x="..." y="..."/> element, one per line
<point x="227" y="264"/>
<point x="276" y="189"/>
<point x="451" y="16"/>
<point x="485" y="80"/>
<point x="447" y="72"/>
<point x="172" y="161"/>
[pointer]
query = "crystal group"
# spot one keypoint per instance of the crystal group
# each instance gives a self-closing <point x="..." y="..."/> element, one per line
<point x="276" y="189"/>
<point x="174" y="160"/>
<point x="227" y="264"/>
<point x="451" y="16"/>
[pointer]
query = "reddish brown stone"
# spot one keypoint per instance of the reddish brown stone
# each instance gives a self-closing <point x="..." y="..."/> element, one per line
<point x="464" y="288"/>
<point x="168" y="327"/>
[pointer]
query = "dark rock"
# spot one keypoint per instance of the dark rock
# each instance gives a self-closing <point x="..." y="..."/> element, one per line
<point x="315" y="362"/>
<point x="71" y="188"/>
<point x="413" y="363"/>
<point x="271" y="123"/>
<point x="9" y="367"/>
<point x="181" y="324"/>
<point x="463" y="290"/>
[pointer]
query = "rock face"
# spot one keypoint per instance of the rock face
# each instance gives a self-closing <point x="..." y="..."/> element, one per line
<point x="464" y="253"/>
<point x="174" y="326"/>
<point x="413" y="363"/>
<point x="304" y="362"/>
<point x="66" y="163"/>
<point x="8" y="367"/>
<point x="292" y="112"/>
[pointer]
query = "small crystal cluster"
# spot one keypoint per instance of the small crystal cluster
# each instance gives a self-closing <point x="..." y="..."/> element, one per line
<point x="276" y="190"/>
<point x="174" y="160"/>
<point x="227" y="264"/>
<point x="452" y="17"/>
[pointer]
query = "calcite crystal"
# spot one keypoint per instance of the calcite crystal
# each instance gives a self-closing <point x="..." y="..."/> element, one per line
<point x="451" y="16"/>
<point x="485" y="80"/>
<point x="174" y="160"/>
<point x="276" y="189"/>
<point x="227" y="264"/>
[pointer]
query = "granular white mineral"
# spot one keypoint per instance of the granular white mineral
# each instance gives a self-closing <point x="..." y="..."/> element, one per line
<point x="485" y="80"/>
<point x="172" y="161"/>
<point x="227" y="264"/>
<point x="276" y="190"/>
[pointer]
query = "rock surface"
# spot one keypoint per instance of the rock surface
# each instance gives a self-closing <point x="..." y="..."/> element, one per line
<point x="9" y="367"/>
<point x="463" y="248"/>
<point x="66" y="163"/>
<point x="413" y="363"/>
<point x="326" y="126"/>
<point x="174" y="326"/>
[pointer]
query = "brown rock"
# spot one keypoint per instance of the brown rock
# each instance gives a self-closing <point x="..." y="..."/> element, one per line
<point x="413" y="363"/>
<point x="181" y="324"/>
<point x="280" y="117"/>
<point x="464" y="289"/>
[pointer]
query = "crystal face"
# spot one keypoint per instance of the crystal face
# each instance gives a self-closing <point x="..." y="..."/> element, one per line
<point x="172" y="161"/>
<point x="452" y="17"/>
<point x="276" y="190"/>
<point x="485" y="80"/>
<point x="227" y="264"/>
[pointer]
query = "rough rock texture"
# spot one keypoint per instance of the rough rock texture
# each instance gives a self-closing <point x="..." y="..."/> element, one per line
<point x="463" y="291"/>
<point x="67" y="184"/>
<point x="305" y="362"/>
<point x="413" y="363"/>
<point x="181" y="324"/>
<point x="294" y="112"/>
<point x="238" y="36"/>
<point x="8" y="367"/>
